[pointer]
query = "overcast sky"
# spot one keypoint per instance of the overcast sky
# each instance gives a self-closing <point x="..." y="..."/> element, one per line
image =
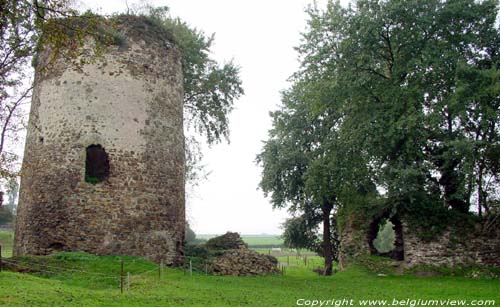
<point x="259" y="35"/>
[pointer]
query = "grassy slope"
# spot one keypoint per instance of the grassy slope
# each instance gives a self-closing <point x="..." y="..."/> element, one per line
<point x="179" y="289"/>
<point x="76" y="283"/>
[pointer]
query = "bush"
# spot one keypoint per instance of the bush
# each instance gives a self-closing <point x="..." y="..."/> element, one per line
<point x="6" y="216"/>
<point x="197" y="251"/>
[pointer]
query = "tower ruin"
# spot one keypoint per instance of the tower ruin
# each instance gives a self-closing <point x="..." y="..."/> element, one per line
<point x="103" y="167"/>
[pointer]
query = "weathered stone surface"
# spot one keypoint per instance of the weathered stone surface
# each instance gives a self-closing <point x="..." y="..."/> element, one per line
<point x="229" y="240"/>
<point x="455" y="247"/>
<point x="229" y="255"/>
<point x="243" y="262"/>
<point x="129" y="101"/>
<point x="477" y="247"/>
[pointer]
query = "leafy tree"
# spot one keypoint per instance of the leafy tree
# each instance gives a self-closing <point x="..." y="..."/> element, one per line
<point x="190" y="236"/>
<point x="300" y="167"/>
<point x="393" y="96"/>
<point x="6" y="215"/>
<point x="384" y="242"/>
<point x="298" y="232"/>
<point x="405" y="70"/>
<point x="210" y="89"/>
<point x="24" y="25"/>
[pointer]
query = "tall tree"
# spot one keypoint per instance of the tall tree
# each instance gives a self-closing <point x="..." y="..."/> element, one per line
<point x="400" y="97"/>
<point x="300" y="170"/>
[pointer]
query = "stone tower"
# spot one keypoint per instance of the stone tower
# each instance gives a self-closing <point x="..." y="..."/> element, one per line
<point x="103" y="167"/>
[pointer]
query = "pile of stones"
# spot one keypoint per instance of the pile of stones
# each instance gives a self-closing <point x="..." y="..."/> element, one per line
<point x="232" y="257"/>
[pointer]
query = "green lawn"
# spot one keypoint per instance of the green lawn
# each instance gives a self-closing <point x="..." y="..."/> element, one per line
<point x="6" y="239"/>
<point x="79" y="279"/>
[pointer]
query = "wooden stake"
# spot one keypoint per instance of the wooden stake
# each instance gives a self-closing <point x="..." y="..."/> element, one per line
<point x="128" y="282"/>
<point x="121" y="277"/>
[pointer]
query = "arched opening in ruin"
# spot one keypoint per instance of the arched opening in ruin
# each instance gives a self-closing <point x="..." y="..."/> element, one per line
<point x="96" y="164"/>
<point x="385" y="237"/>
<point x="57" y="246"/>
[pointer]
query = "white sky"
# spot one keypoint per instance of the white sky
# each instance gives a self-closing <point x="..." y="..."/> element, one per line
<point x="259" y="35"/>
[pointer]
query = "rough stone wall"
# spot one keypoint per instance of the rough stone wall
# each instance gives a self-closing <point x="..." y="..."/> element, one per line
<point x="129" y="101"/>
<point x="353" y="243"/>
<point x="455" y="247"/>
<point x="477" y="247"/>
<point x="244" y="262"/>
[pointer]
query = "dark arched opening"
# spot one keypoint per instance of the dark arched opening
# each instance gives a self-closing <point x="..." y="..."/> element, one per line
<point x="57" y="246"/>
<point x="385" y="237"/>
<point x="96" y="164"/>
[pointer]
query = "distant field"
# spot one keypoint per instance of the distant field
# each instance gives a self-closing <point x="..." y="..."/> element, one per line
<point x="253" y="240"/>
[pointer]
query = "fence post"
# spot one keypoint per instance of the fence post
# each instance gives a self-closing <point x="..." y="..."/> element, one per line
<point x="190" y="267"/>
<point x="121" y="277"/>
<point x="1" y="264"/>
<point x="206" y="268"/>
<point x="288" y="260"/>
<point x="161" y="269"/>
<point x="128" y="282"/>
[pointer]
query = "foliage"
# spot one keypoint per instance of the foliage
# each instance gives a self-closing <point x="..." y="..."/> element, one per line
<point x="210" y="88"/>
<point x="384" y="242"/>
<point x="197" y="251"/>
<point x="190" y="236"/>
<point x="6" y="216"/>
<point x="298" y="234"/>
<point x="396" y="103"/>
<point x="26" y="26"/>
<point x="92" y="179"/>
<point x="12" y="192"/>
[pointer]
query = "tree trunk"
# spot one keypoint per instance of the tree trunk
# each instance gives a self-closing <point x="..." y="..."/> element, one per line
<point x="480" y="192"/>
<point x="327" y="238"/>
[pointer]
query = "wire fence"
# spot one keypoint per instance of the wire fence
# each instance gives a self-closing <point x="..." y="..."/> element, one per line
<point x="124" y="280"/>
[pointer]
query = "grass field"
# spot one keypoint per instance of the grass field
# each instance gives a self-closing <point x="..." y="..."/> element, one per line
<point x="6" y="239"/>
<point x="79" y="279"/>
<point x="252" y="240"/>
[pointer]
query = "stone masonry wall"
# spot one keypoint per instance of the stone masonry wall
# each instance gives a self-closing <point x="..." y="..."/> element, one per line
<point x="129" y="101"/>
<point x="476" y="247"/>
<point x="455" y="247"/>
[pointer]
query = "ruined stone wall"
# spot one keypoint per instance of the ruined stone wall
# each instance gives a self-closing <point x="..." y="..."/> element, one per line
<point x="129" y="101"/>
<point x="459" y="245"/>
<point x="479" y="246"/>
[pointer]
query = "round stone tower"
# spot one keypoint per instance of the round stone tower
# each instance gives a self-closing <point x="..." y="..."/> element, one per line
<point x="103" y="167"/>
